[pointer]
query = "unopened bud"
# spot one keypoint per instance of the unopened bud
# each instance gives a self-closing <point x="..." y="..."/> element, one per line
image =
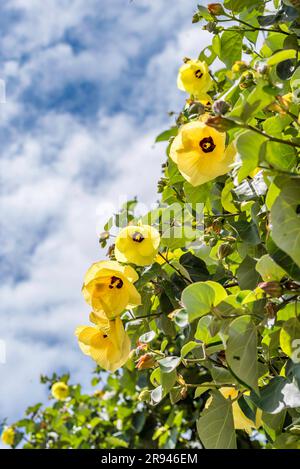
<point x="144" y="395"/>
<point x="211" y="27"/>
<point x="161" y="185"/>
<point x="111" y="252"/>
<point x="246" y="80"/>
<point x="220" y="107"/>
<point x="273" y="289"/>
<point x="146" y="361"/>
<point x="215" y="9"/>
<point x="104" y="236"/>
<point x="239" y="66"/>
<point x="195" y="109"/>
<point x="224" y="250"/>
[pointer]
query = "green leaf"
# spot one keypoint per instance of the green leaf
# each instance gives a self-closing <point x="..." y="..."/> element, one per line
<point x="189" y="346"/>
<point x="247" y="275"/>
<point x="273" y="423"/>
<point x="168" y="373"/>
<point x="201" y="390"/>
<point x="231" y="47"/>
<point x="156" y="395"/>
<point x="203" y="332"/>
<point x="281" y="56"/>
<point x="248" y="145"/>
<point x="290" y="339"/>
<point x="200" y="297"/>
<point x="169" y="364"/>
<point x="197" y="194"/>
<point x="195" y="267"/>
<point x="268" y="269"/>
<point x="287" y="441"/>
<point x="285" y="219"/>
<point x="282" y="259"/>
<point x="241" y="351"/>
<point x="147" y="337"/>
<point x="116" y="442"/>
<point x="167" y="134"/>
<point x="274" y="125"/>
<point x="280" y="156"/>
<point x="215" y="425"/>
<point x="279" y="394"/>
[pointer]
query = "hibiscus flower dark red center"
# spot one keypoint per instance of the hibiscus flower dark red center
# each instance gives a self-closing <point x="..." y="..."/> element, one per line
<point x="207" y="144"/>
<point x="116" y="282"/>
<point x="137" y="237"/>
<point x="198" y="73"/>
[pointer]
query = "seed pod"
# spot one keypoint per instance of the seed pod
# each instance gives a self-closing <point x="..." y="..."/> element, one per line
<point x="220" y="107"/>
<point x="273" y="288"/>
<point x="213" y="242"/>
<point x="195" y="108"/>
<point x="224" y="250"/>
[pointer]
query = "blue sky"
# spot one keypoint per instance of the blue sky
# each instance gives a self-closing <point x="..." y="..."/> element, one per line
<point x="89" y="84"/>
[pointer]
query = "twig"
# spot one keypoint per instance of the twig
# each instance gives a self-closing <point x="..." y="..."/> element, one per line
<point x="175" y="268"/>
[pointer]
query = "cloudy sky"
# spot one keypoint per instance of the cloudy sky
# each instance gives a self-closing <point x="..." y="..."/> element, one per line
<point x="89" y="84"/>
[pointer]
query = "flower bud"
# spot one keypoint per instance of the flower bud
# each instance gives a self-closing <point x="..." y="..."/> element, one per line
<point x="273" y="289"/>
<point x="211" y="27"/>
<point x="246" y="80"/>
<point x="213" y="242"/>
<point x="215" y="9"/>
<point x="146" y="361"/>
<point x="224" y="250"/>
<point x="103" y="238"/>
<point x="144" y="396"/>
<point x="239" y="66"/>
<point x="111" y="252"/>
<point x="195" y="108"/>
<point x="161" y="185"/>
<point x="220" y="107"/>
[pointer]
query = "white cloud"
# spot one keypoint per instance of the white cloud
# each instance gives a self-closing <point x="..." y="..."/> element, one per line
<point x="59" y="170"/>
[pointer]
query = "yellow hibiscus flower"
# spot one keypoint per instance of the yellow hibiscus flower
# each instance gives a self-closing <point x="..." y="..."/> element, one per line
<point x="200" y="154"/>
<point x="8" y="436"/>
<point x="241" y="422"/>
<point x="60" y="390"/>
<point x="106" y="343"/>
<point x="137" y="245"/>
<point x="108" y="286"/>
<point x="194" y="78"/>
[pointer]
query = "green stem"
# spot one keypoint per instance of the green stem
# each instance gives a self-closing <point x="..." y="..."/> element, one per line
<point x="211" y="385"/>
<point x="269" y="137"/>
<point x="146" y="316"/>
<point x="175" y="268"/>
<point x="287" y="173"/>
<point x="256" y="28"/>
